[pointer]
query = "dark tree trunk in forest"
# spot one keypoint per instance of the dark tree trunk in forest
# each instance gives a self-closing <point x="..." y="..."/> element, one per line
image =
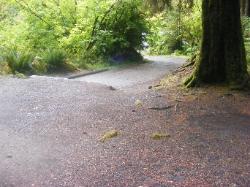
<point x="222" y="57"/>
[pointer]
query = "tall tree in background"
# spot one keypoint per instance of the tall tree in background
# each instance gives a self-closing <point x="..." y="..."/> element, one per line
<point x="157" y="6"/>
<point x="222" y="57"/>
<point x="245" y="7"/>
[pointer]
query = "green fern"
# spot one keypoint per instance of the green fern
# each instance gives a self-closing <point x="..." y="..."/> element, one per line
<point x="21" y="63"/>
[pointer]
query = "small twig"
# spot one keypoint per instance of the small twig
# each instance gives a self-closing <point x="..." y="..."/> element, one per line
<point x="176" y="107"/>
<point x="161" y="108"/>
<point x="178" y="100"/>
<point x="179" y="70"/>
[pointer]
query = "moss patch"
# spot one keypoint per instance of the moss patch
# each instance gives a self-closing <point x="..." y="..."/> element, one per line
<point x="138" y="103"/>
<point x="159" y="136"/>
<point x="20" y="75"/>
<point x="4" y="68"/>
<point x="109" y="135"/>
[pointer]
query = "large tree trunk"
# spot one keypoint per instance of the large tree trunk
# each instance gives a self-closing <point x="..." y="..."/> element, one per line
<point x="222" y="57"/>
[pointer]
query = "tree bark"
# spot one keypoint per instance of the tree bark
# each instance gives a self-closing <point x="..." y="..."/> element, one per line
<point x="222" y="55"/>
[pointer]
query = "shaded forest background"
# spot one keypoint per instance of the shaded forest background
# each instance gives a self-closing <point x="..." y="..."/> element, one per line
<point x="38" y="37"/>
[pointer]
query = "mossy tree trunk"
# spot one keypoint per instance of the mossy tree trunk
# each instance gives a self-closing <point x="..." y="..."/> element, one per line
<point x="222" y="55"/>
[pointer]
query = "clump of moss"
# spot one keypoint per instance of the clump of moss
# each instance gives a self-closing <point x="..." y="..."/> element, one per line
<point x="109" y="135"/>
<point x="159" y="136"/>
<point x="4" y="68"/>
<point x="138" y="103"/>
<point x="20" y="75"/>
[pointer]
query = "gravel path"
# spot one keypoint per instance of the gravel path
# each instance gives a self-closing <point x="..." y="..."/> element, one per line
<point x="50" y="132"/>
<point x="125" y="77"/>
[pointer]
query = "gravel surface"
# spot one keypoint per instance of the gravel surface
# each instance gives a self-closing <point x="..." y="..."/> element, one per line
<point x="132" y="75"/>
<point x="50" y="131"/>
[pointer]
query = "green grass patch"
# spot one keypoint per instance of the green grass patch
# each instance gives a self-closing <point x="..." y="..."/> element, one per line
<point x="92" y="62"/>
<point x="56" y="61"/>
<point x="97" y="66"/>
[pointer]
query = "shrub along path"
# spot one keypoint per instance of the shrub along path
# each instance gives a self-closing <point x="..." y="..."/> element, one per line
<point x="59" y="132"/>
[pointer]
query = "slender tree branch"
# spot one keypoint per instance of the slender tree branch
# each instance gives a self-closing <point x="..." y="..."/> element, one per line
<point x="91" y="44"/>
<point x="26" y="7"/>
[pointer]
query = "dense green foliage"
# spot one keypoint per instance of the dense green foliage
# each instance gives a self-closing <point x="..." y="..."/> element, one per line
<point x="55" y="59"/>
<point x="21" y="63"/>
<point x="86" y="31"/>
<point x="58" y="35"/>
<point x="176" y="30"/>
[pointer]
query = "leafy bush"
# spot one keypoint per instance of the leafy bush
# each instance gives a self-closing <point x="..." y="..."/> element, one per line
<point x="55" y="60"/>
<point x="121" y="30"/>
<point x="246" y="32"/>
<point x="21" y="63"/>
<point x="246" y="27"/>
<point x="165" y="34"/>
<point x="173" y="30"/>
<point x="100" y="29"/>
<point x="39" y="67"/>
<point x="113" y="27"/>
<point x="94" y="31"/>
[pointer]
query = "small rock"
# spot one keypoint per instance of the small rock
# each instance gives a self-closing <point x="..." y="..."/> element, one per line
<point x="150" y="87"/>
<point x="112" y="88"/>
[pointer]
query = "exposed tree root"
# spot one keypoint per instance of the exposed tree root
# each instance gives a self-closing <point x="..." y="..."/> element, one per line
<point x="192" y="81"/>
<point x="189" y="64"/>
<point x="244" y="85"/>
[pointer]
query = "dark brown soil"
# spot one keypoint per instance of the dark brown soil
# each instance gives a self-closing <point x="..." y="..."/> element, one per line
<point x="210" y="129"/>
